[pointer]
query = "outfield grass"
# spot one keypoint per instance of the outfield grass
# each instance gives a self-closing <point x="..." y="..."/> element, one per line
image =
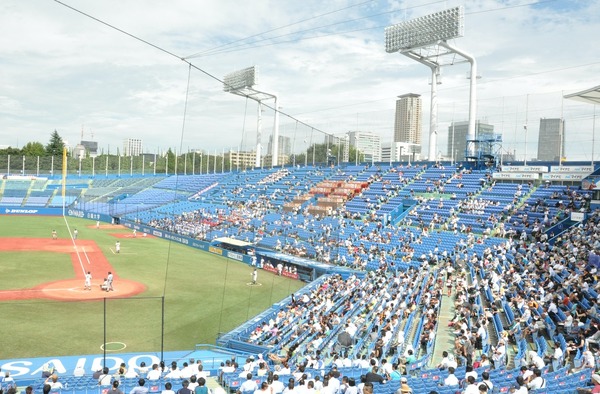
<point x="204" y="294"/>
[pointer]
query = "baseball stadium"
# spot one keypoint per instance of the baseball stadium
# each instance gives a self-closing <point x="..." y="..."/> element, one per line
<point x="320" y="265"/>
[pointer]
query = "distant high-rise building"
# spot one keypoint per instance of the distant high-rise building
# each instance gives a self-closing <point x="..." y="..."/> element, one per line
<point x="457" y="139"/>
<point x="91" y="147"/>
<point x="367" y="143"/>
<point x="551" y="140"/>
<point x="284" y="145"/>
<point x="396" y="152"/>
<point x="407" y="126"/>
<point x="241" y="160"/>
<point x="132" y="147"/>
<point x="284" y="151"/>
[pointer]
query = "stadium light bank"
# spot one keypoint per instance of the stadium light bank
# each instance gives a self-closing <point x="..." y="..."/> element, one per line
<point x="241" y="83"/>
<point x="424" y="40"/>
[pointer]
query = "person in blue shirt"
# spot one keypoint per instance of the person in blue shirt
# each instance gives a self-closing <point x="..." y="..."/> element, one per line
<point x="140" y="389"/>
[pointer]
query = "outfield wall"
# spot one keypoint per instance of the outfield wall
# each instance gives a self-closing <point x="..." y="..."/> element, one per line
<point x="19" y="210"/>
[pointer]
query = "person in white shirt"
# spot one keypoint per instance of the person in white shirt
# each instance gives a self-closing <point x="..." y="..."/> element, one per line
<point x="386" y="367"/>
<point x="249" y="365"/>
<point x="154" y="374"/>
<point x="535" y="360"/>
<point x="485" y="376"/>
<point x="351" y="328"/>
<point x="482" y="335"/>
<point x="588" y="361"/>
<point x="105" y="379"/>
<point x="131" y="373"/>
<point x="285" y="369"/>
<point x="249" y="386"/>
<point x="334" y="383"/>
<point x="186" y="372"/>
<point x="499" y="355"/>
<point x="8" y="381"/>
<point x="522" y="387"/>
<point x="352" y="389"/>
<point x="472" y="387"/>
<point x="327" y="389"/>
<point x="537" y="382"/>
<point x="174" y="373"/>
<point x="444" y="363"/>
<point x="470" y="372"/>
<point x="193" y="383"/>
<point x="277" y="385"/>
<point x="557" y="357"/>
<point x="290" y="389"/>
<point x="451" y="380"/>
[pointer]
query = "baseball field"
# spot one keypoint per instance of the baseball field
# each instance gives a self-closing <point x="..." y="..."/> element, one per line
<point x="45" y="310"/>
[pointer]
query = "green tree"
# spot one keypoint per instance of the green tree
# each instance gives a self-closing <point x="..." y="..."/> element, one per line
<point x="56" y="145"/>
<point x="322" y="154"/>
<point x="34" y="149"/>
<point x="10" y="151"/>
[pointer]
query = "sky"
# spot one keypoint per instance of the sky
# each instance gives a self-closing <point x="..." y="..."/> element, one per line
<point x="153" y="70"/>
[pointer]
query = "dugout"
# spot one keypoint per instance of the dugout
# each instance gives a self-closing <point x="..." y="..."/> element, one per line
<point x="234" y="245"/>
<point x="307" y="270"/>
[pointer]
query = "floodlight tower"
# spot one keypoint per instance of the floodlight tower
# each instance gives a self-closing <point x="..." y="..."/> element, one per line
<point x="424" y="40"/>
<point x="241" y="83"/>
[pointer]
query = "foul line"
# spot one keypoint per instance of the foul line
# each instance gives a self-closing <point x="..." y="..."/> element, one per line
<point x="75" y="246"/>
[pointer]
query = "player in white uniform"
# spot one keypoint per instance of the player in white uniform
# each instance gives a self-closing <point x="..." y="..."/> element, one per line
<point x="109" y="282"/>
<point x="88" y="281"/>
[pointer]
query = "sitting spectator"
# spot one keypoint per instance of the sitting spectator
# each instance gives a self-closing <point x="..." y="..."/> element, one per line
<point x="404" y="387"/>
<point x="53" y="382"/>
<point x="472" y="387"/>
<point x="154" y="374"/>
<point x="538" y="382"/>
<point x="521" y="387"/>
<point x="201" y="388"/>
<point x="7" y="380"/>
<point x="249" y="386"/>
<point x="535" y="361"/>
<point x="451" y="380"/>
<point x="168" y="389"/>
<point x="115" y="388"/>
<point x="140" y="388"/>
<point x="485" y="376"/>
<point x="184" y="388"/>
<point x="105" y="379"/>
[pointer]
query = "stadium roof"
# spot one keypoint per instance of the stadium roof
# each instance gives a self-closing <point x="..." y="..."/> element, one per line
<point x="590" y="96"/>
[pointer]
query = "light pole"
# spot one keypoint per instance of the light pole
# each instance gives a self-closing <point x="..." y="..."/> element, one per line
<point x="241" y="83"/>
<point x="525" y="158"/>
<point x="424" y="40"/>
<point x="525" y="128"/>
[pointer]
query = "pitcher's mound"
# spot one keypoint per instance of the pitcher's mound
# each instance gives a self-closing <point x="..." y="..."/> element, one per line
<point x="72" y="290"/>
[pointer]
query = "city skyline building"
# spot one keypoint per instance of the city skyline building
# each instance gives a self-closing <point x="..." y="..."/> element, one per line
<point x="407" y="124"/>
<point x="367" y="143"/>
<point x="551" y="140"/>
<point x="132" y="147"/>
<point x="457" y="139"/>
<point x="241" y="159"/>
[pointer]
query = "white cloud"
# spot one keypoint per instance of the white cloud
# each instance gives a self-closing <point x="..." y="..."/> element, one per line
<point x="63" y="70"/>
